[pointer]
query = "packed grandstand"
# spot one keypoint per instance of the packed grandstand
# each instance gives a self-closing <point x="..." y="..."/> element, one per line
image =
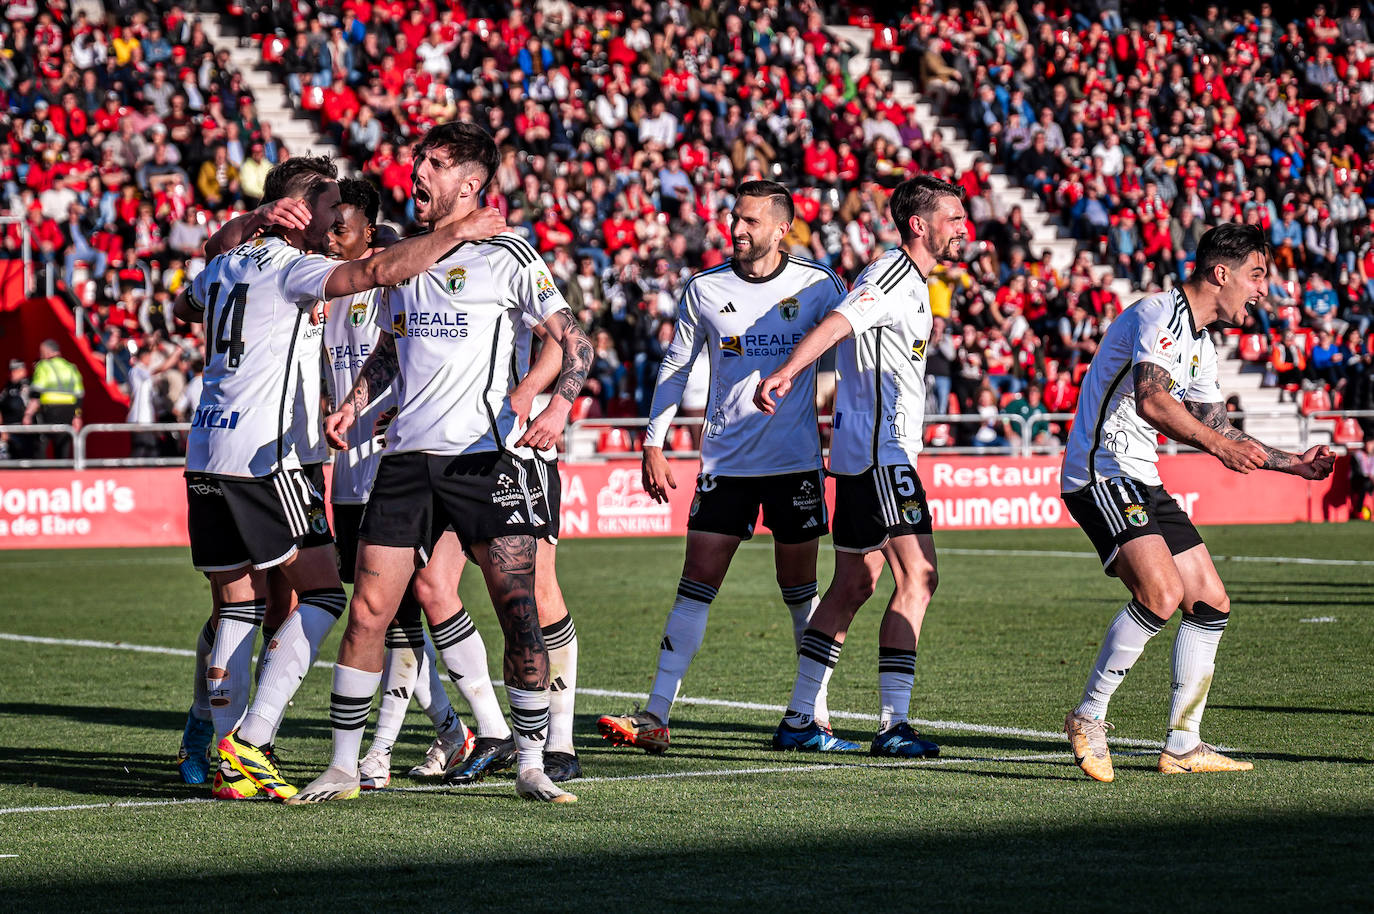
<point x="131" y="135"/>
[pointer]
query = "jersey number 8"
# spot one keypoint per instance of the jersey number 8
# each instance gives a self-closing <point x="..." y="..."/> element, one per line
<point x="230" y="319"/>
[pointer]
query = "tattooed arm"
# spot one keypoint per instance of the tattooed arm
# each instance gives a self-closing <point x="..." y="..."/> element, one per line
<point x="376" y="376"/>
<point x="563" y="329"/>
<point x="1316" y="463"/>
<point x="1156" y="405"/>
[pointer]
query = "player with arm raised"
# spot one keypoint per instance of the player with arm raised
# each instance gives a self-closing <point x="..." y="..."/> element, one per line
<point x="1156" y="372"/>
<point x="450" y="460"/>
<point x="881" y="514"/>
<point x="747" y="314"/>
<point x="249" y="504"/>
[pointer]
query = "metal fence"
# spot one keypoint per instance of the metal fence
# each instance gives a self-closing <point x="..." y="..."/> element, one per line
<point x="583" y="439"/>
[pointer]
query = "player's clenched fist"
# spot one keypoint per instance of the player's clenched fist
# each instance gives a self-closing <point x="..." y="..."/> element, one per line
<point x="763" y="394"/>
<point x="337" y="424"/>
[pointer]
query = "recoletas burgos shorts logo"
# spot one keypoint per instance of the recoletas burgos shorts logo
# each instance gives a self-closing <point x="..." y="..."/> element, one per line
<point x="457" y="278"/>
<point x="789" y="308"/>
<point x="1136" y="516"/>
<point x="912" y="512"/>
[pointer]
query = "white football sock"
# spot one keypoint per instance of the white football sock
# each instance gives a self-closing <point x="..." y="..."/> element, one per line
<point x="400" y="670"/>
<point x="350" y="702"/>
<point x="200" y="702"/>
<point x="682" y="637"/>
<point x="431" y="696"/>
<point x="560" y="639"/>
<point x="1126" y="637"/>
<point x="529" y="714"/>
<point x="267" y="635"/>
<point x="1195" y="652"/>
<point x="802" y="601"/>
<point x="896" y="674"/>
<point x="816" y="659"/>
<point x="461" y="647"/>
<point x="293" y="650"/>
<point x="232" y="655"/>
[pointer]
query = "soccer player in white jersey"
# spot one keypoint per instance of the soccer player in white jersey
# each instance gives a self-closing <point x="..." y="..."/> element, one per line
<point x="1156" y="372"/>
<point x="411" y="665"/>
<point x="454" y="456"/>
<point x="747" y="315"/>
<point x="249" y="505"/>
<point x="881" y="515"/>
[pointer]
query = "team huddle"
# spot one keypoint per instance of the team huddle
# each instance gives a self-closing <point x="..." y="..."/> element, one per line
<point x="417" y="362"/>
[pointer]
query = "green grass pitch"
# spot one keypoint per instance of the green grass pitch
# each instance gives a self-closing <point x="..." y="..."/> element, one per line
<point x="1002" y="821"/>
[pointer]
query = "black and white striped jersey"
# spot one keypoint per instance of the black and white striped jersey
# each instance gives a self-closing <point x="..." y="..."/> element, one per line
<point x="258" y="343"/>
<point x="1108" y="438"/>
<point x="747" y="327"/>
<point x="880" y="398"/>
<point x="455" y="328"/>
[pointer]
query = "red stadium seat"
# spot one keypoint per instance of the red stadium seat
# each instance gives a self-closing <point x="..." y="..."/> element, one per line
<point x="1315" y="400"/>
<point x="953" y="407"/>
<point x="1290" y="315"/>
<point x="614" y="441"/>
<point x="272" y="50"/>
<point x="885" y="39"/>
<point x="1252" y="348"/>
<point x="938" y="435"/>
<point x="861" y="17"/>
<point x="682" y="439"/>
<point x="1348" y="431"/>
<point x="585" y="408"/>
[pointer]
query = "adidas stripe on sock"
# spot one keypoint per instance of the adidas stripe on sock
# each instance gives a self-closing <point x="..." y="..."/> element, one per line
<point x="1126" y="638"/>
<point x="682" y="637"/>
<point x="289" y="657"/>
<point x="560" y="640"/>
<point x="816" y="659"/>
<point x="465" y="655"/>
<point x="350" y="702"/>
<point x="529" y="715"/>
<point x="896" y="673"/>
<point x="228" y="682"/>
<point x="802" y="601"/>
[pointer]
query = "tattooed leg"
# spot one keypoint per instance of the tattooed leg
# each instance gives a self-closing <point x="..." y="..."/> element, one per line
<point x="507" y="563"/>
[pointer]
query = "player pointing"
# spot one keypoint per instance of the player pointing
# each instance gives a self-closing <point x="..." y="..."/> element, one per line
<point x="881" y="515"/>
<point x="748" y="313"/>
<point x="1156" y="370"/>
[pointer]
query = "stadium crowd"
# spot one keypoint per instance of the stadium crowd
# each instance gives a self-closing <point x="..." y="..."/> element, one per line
<point x="623" y="128"/>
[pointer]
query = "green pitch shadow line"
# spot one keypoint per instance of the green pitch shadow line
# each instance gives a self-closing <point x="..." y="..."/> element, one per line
<point x="953" y="726"/>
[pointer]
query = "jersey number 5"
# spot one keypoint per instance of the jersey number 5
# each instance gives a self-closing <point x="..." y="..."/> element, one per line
<point x="230" y="319"/>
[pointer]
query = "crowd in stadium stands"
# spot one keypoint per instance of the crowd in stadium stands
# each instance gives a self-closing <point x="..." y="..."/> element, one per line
<point x="1141" y="133"/>
<point x="623" y="128"/>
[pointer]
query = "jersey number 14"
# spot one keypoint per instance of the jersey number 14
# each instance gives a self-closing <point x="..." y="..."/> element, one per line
<point x="228" y="344"/>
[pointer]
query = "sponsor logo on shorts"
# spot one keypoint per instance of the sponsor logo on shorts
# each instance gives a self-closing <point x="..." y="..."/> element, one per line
<point x="810" y="523"/>
<point x="789" y="308"/>
<point x="1136" y="516"/>
<point x="696" y="503"/>
<point x="912" y="512"/>
<point x="808" y="497"/>
<point x="204" y="488"/>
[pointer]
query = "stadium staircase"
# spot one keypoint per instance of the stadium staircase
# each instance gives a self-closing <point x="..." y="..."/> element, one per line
<point x="290" y="126"/>
<point x="1271" y="420"/>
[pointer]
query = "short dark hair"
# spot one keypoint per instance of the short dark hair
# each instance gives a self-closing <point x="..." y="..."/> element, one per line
<point x="1230" y="244"/>
<point x="779" y="196"/>
<point x="297" y="177"/>
<point x="362" y="196"/>
<point x="465" y="144"/>
<point x="918" y="196"/>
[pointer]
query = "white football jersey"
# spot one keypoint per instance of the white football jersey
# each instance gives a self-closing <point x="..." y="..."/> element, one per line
<point x="350" y="335"/>
<point x="258" y="337"/>
<point x="307" y="424"/>
<point x="455" y="328"/>
<point x="748" y="328"/>
<point x="524" y="349"/>
<point x="880" y="396"/>
<point x="1108" y="438"/>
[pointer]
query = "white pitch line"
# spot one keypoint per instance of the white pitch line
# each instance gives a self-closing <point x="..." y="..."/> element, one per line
<point x="661" y="776"/>
<point x="1319" y="619"/>
<point x="956" y="726"/>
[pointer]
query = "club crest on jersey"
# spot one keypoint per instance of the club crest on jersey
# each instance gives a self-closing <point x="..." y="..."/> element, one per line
<point x="911" y="512"/>
<point x="1136" y="516"/>
<point x="789" y="308"/>
<point x="457" y="278"/>
<point x="1193" y="368"/>
<point x="730" y="347"/>
<point x="357" y="312"/>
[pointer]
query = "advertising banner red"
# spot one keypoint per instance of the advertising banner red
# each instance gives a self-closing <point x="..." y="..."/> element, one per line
<point x="147" y="507"/>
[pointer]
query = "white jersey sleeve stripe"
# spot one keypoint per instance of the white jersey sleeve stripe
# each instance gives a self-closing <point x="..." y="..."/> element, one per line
<point x="507" y="244"/>
<point x="894" y="275"/>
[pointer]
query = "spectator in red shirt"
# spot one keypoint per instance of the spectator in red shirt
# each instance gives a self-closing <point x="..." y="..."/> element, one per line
<point x="551" y="231"/>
